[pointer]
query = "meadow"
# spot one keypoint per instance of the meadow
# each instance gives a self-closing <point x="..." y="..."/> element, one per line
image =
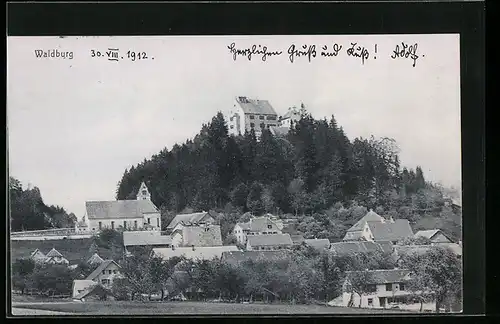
<point x="192" y="308"/>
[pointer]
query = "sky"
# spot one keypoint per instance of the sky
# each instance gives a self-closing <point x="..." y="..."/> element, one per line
<point x="74" y="125"/>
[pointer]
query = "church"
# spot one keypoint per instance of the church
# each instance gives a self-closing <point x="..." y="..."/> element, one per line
<point x="136" y="214"/>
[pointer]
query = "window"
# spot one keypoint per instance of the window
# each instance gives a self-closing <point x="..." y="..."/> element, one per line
<point x="261" y="117"/>
<point x="158" y="222"/>
<point x="100" y="225"/>
<point x="149" y="220"/>
<point x="271" y="118"/>
<point x="252" y="125"/>
<point x="112" y="225"/>
<point x="105" y="281"/>
<point x="103" y="272"/>
<point x="207" y="229"/>
<point x="388" y="287"/>
<point x="110" y="271"/>
<point x="269" y="226"/>
<point x="401" y="286"/>
<point x="93" y="229"/>
<point x="124" y="224"/>
<point x="114" y="271"/>
<point x="252" y="117"/>
<point x="135" y="224"/>
<point x="370" y="301"/>
<point x="232" y="126"/>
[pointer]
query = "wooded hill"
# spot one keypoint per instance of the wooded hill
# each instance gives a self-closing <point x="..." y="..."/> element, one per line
<point x="29" y="212"/>
<point x="315" y="173"/>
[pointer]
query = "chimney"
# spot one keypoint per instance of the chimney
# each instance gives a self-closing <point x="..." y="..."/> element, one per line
<point x="192" y="247"/>
<point x="173" y="247"/>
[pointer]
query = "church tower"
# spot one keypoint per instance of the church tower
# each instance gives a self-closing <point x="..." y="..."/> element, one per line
<point x="143" y="193"/>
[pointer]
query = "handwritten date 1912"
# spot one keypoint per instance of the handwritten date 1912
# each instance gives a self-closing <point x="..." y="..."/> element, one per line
<point x="406" y="51"/>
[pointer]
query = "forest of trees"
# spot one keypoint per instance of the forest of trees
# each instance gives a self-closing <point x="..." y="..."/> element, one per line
<point x="29" y="212"/>
<point x="313" y="172"/>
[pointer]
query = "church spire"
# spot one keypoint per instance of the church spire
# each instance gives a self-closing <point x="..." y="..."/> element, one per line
<point x="143" y="193"/>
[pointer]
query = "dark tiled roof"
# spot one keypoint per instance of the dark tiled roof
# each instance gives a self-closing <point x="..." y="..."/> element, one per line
<point x="297" y="239"/>
<point x="251" y="106"/>
<point x="53" y="253"/>
<point x="427" y="233"/>
<point x="100" y="268"/>
<point x="202" y="235"/>
<point x="200" y="253"/>
<point x="145" y="238"/>
<point x="360" y="247"/>
<point x="319" y="244"/>
<point x="389" y="231"/>
<point x="95" y="258"/>
<point x="234" y="257"/>
<point x="371" y="216"/>
<point x="269" y="240"/>
<point x="385" y="276"/>
<point x="119" y="209"/>
<point x="189" y="219"/>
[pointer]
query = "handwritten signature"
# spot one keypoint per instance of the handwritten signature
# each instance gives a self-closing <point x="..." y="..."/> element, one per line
<point x="254" y="50"/>
<point x="358" y="51"/>
<point x="406" y="51"/>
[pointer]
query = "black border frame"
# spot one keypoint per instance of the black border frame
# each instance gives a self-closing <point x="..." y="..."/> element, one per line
<point x="464" y="17"/>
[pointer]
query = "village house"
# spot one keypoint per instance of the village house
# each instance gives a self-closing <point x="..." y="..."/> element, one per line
<point x="383" y="289"/>
<point x="268" y="224"/>
<point x="353" y="247"/>
<point x="248" y="114"/>
<point x="373" y="227"/>
<point x="95" y="259"/>
<point x="80" y="286"/>
<point x="105" y="273"/>
<point x="434" y="235"/>
<point x="90" y="290"/>
<point x="132" y="239"/>
<point x="269" y="242"/>
<point x="201" y="235"/>
<point x="52" y="257"/>
<point x="291" y="117"/>
<point x="140" y="213"/>
<point x="318" y="244"/>
<point x="38" y="257"/>
<point x="193" y="253"/>
<point x="180" y="220"/>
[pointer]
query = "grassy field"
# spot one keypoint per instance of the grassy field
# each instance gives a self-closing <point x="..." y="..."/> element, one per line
<point x="73" y="250"/>
<point x="191" y="308"/>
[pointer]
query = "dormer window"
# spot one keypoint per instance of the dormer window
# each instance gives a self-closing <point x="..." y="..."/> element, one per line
<point x="144" y="192"/>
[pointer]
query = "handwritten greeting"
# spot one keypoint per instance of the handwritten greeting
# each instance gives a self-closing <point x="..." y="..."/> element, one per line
<point x="354" y="50"/>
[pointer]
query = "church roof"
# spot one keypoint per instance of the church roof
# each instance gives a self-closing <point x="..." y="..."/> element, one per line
<point x="119" y="209"/>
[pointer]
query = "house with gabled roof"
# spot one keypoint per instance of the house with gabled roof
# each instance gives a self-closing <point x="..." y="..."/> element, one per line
<point x="434" y="235"/>
<point x="354" y="247"/>
<point x="382" y="289"/>
<point x="201" y="218"/>
<point x="125" y="214"/>
<point x="373" y="227"/>
<point x="263" y="225"/>
<point x="247" y="114"/>
<point x="55" y="257"/>
<point x="318" y="244"/>
<point x="37" y="256"/>
<point x="95" y="259"/>
<point x="290" y="117"/>
<point x="269" y="242"/>
<point x="200" y="235"/>
<point x="105" y="273"/>
<point x="93" y="291"/>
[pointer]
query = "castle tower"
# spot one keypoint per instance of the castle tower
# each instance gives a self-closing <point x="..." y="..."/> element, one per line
<point x="143" y="193"/>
